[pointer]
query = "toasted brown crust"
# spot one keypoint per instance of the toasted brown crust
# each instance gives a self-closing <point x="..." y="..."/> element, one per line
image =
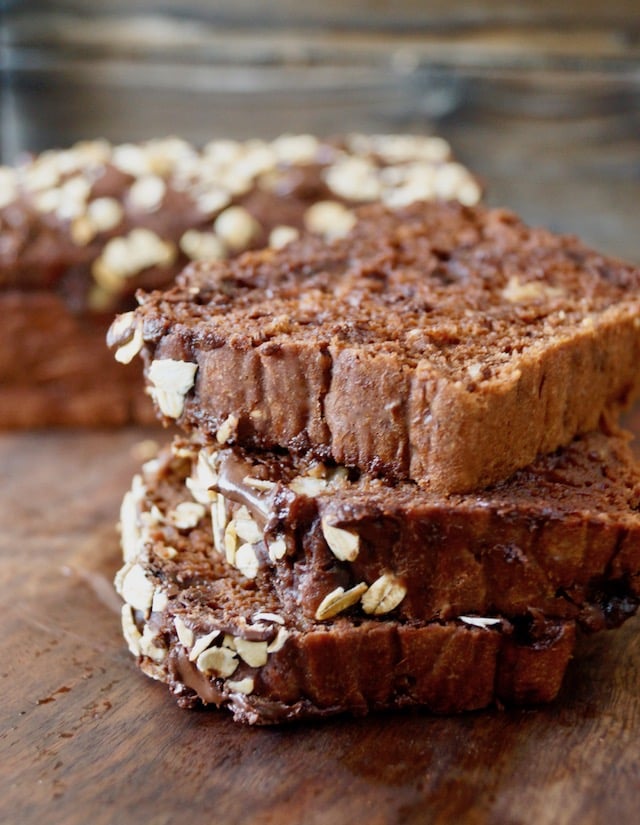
<point x="440" y="343"/>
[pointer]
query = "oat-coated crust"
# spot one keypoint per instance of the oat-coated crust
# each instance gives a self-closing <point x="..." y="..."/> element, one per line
<point x="446" y="344"/>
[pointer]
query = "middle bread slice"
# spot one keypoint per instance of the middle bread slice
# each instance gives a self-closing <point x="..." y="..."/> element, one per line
<point x="560" y="538"/>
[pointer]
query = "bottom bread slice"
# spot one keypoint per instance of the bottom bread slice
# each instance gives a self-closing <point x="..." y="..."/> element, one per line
<point x="219" y="638"/>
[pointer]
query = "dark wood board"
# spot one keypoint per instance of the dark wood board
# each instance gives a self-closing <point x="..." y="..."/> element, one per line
<point x="86" y="738"/>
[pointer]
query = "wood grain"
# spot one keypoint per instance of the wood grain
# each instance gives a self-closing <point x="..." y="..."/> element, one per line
<point x="86" y="738"/>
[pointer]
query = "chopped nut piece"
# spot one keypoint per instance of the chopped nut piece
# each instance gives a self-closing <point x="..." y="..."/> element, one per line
<point x="219" y="522"/>
<point x="474" y="371"/>
<point x="160" y="601"/>
<point x="344" y="545"/>
<point x="104" y="213"/>
<point x="449" y="179"/>
<point x="383" y="595"/>
<point x="401" y="148"/>
<point x="478" y="621"/>
<point x="278" y="643"/>
<point x="282" y="235"/>
<point x="121" y="328"/>
<point x="202" y="644"/>
<point x="129" y="527"/>
<point x="131" y="159"/>
<point x="123" y="257"/>
<point x="258" y="157"/>
<point x="339" y="600"/>
<point x="253" y="653"/>
<point x="186" y="636"/>
<point x="330" y="219"/>
<point x="147" y="193"/>
<point x="227" y="429"/>
<point x="40" y="176"/>
<point x="469" y="193"/>
<point x="277" y="548"/>
<point x="47" y="201"/>
<point x="82" y="230"/>
<point x="113" y="264"/>
<point x="247" y="561"/>
<point x="127" y="352"/>
<point x="230" y="542"/>
<point x="218" y="660"/>
<point x="137" y="589"/>
<point x="262" y="484"/>
<point x="186" y="515"/>
<point x="245" y="685"/>
<point x="213" y="200"/>
<point x="149" y="648"/>
<point x="146" y="249"/>
<point x="306" y="486"/>
<point x="202" y="246"/>
<point x="247" y="527"/>
<point x="353" y="178"/>
<point x="206" y="468"/>
<point x="295" y="148"/>
<point x="236" y="227"/>
<point x="203" y="478"/>
<point x="223" y="151"/>
<point x="338" y="477"/>
<point x="166" y="552"/>
<point x="517" y="291"/>
<point x="172" y="380"/>
<point x="267" y="617"/>
<point x="131" y="633"/>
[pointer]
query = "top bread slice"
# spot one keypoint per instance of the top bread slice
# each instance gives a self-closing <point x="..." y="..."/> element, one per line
<point x="437" y="342"/>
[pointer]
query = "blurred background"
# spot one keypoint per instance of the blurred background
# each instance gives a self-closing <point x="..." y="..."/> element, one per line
<point x="540" y="98"/>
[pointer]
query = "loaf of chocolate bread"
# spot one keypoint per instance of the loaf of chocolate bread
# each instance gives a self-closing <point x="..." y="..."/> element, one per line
<point x="219" y="634"/>
<point x="438" y="342"/>
<point x="81" y="229"/>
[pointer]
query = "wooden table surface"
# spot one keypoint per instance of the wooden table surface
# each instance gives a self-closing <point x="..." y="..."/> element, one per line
<point x="85" y="738"/>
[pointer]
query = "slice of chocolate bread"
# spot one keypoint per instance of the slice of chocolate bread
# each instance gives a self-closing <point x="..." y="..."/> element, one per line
<point x="561" y="537"/>
<point x="442" y="343"/>
<point x="218" y="637"/>
<point x="81" y="229"/>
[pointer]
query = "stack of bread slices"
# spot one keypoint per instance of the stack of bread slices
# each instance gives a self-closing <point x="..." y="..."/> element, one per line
<point x="399" y="480"/>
